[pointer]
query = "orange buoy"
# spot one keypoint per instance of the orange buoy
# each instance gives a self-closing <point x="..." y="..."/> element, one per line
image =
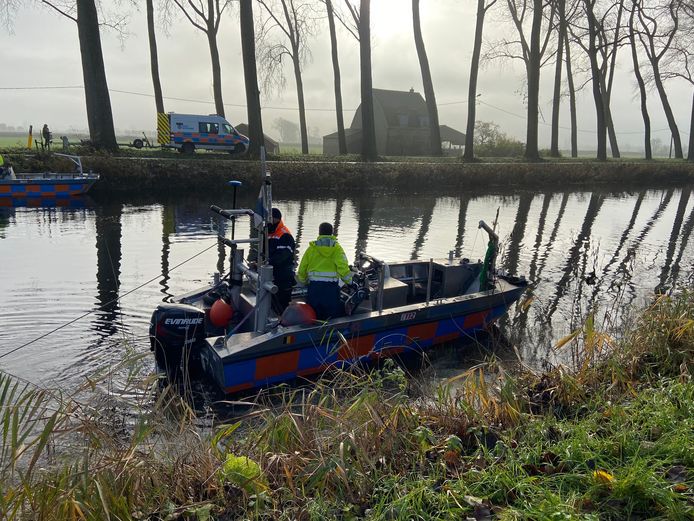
<point x="298" y="313"/>
<point x="221" y="313"/>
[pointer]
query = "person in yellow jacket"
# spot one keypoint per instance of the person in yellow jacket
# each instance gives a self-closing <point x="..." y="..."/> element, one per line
<point x="323" y="267"/>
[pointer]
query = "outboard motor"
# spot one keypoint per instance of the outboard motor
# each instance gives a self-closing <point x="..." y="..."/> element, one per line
<point x="176" y="332"/>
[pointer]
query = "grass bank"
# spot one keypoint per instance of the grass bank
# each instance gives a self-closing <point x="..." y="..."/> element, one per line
<point x="609" y="438"/>
<point x="167" y="172"/>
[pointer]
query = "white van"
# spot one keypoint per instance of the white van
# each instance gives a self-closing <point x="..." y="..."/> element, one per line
<point x="188" y="132"/>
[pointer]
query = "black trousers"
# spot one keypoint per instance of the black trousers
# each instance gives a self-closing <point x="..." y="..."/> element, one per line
<point x="281" y="299"/>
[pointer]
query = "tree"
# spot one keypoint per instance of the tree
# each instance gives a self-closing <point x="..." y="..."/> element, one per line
<point x="250" y="75"/>
<point x="658" y="26"/>
<point x="680" y="63"/>
<point x="572" y="97"/>
<point x="482" y="8"/>
<point x="295" y="24"/>
<point x="99" y="114"/>
<point x="153" y="58"/>
<point x="7" y="10"/>
<point x="490" y="141"/>
<point x="532" y="50"/>
<point x="642" y="88"/>
<point x="289" y="132"/>
<point x="369" y="150"/>
<point x="608" y="52"/>
<point x="598" y="34"/>
<point x="206" y="17"/>
<point x="589" y="6"/>
<point x="561" y="30"/>
<point x="341" y="139"/>
<point x="435" y="130"/>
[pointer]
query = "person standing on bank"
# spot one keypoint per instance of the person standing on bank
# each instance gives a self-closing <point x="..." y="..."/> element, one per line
<point x="281" y="248"/>
<point x="46" y="136"/>
<point x="322" y="267"/>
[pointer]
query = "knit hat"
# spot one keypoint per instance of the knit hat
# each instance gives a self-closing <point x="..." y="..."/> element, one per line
<point x="276" y="214"/>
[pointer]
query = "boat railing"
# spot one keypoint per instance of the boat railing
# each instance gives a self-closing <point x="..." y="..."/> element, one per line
<point x="77" y="160"/>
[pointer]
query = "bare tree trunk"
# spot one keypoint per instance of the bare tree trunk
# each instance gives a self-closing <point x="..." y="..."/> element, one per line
<point x="435" y="130"/>
<point x="99" y="115"/>
<point x="153" y="58"/>
<point x="369" y="150"/>
<point x="302" y="107"/>
<point x="341" y="139"/>
<point x="554" y="147"/>
<point x="597" y="91"/>
<point x="469" y="153"/>
<point x="533" y="69"/>
<point x="216" y="68"/>
<point x="614" y="146"/>
<point x="690" y="151"/>
<point x="250" y="74"/>
<point x="572" y="98"/>
<point x="642" y="91"/>
<point x="668" y="110"/>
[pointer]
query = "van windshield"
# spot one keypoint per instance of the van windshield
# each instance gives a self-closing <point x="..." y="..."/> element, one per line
<point x="228" y="129"/>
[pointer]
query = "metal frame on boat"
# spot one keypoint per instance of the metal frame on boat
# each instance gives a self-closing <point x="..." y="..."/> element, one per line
<point x="390" y="309"/>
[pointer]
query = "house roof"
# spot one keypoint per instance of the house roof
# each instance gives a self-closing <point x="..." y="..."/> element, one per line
<point x="348" y="132"/>
<point x="453" y="136"/>
<point x="396" y="102"/>
<point x="243" y="129"/>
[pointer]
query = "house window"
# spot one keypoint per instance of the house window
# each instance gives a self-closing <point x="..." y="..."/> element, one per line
<point x="423" y="121"/>
<point x="403" y="120"/>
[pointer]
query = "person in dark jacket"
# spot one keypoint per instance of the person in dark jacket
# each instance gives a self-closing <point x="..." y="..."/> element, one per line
<point x="281" y="247"/>
<point x="47" y="137"/>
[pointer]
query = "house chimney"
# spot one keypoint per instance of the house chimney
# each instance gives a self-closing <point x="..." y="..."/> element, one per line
<point x="411" y="90"/>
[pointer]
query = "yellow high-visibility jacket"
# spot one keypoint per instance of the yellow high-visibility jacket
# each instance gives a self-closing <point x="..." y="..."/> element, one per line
<point x="324" y="261"/>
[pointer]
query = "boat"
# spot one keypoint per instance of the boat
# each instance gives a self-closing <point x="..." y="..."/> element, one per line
<point x="391" y="308"/>
<point x="47" y="185"/>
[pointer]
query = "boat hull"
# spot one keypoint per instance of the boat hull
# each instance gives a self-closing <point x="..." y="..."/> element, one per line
<point x="250" y="360"/>
<point x="44" y="188"/>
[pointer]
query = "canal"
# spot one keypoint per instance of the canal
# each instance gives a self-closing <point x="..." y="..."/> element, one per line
<point x="607" y="251"/>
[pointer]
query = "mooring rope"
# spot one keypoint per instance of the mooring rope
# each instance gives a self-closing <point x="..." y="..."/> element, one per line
<point x="106" y="304"/>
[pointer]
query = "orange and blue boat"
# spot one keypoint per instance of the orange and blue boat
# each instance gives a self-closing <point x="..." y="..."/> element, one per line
<point x="228" y="334"/>
<point x="47" y="185"/>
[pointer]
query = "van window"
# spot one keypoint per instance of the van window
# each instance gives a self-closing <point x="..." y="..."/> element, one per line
<point x="228" y="129"/>
<point x="209" y="128"/>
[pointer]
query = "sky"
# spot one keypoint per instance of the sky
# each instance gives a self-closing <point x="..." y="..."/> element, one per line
<point x="42" y="50"/>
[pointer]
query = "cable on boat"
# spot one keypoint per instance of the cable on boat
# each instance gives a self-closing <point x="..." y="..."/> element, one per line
<point x="3" y="355"/>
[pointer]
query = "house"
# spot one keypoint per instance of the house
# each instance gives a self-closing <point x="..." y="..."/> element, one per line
<point x="401" y="123"/>
<point x="271" y="146"/>
<point x="452" y="140"/>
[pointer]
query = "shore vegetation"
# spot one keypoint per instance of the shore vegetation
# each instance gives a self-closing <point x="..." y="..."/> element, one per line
<point x="607" y="436"/>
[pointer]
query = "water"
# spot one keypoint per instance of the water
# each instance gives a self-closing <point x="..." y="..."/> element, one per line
<point x="581" y="248"/>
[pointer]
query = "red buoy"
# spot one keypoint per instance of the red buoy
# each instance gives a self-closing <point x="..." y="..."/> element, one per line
<point x="298" y="313"/>
<point x="221" y="313"/>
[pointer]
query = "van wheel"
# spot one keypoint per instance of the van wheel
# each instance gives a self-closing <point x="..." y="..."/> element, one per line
<point x="188" y="148"/>
<point x="138" y="143"/>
